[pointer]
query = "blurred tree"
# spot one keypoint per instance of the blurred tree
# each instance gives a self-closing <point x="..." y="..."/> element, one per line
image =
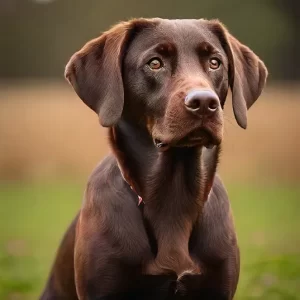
<point x="38" y="37"/>
<point x="290" y="64"/>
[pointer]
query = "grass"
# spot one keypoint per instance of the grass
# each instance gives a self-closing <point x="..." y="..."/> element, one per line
<point x="33" y="218"/>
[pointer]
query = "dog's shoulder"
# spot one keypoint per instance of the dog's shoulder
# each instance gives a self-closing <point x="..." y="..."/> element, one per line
<point x="217" y="206"/>
<point x="106" y="187"/>
<point x="218" y="194"/>
<point x="215" y="230"/>
<point x="103" y="173"/>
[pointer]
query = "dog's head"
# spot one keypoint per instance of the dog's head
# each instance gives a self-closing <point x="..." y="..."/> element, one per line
<point x="172" y="75"/>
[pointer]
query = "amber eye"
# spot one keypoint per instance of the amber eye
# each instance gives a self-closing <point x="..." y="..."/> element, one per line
<point x="155" y="64"/>
<point x="214" y="63"/>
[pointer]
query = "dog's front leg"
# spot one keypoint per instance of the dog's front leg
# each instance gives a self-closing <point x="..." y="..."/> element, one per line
<point x="110" y="245"/>
<point x="213" y="284"/>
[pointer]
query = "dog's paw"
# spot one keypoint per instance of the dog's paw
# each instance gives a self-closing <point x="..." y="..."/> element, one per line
<point x="188" y="282"/>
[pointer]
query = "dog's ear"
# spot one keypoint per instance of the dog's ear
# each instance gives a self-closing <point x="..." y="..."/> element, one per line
<point x="247" y="73"/>
<point x="95" y="71"/>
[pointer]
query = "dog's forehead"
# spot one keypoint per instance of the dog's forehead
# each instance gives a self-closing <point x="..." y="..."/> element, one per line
<point x="180" y="32"/>
<point x="183" y="27"/>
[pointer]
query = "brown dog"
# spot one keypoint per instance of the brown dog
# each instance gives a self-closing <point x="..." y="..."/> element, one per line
<point x="156" y="221"/>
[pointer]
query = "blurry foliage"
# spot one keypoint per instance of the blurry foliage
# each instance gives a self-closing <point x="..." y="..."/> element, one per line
<point x="17" y="278"/>
<point x="38" y="37"/>
<point x="274" y="278"/>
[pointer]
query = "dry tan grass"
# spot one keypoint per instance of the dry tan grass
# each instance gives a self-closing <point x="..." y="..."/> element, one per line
<point x="46" y="131"/>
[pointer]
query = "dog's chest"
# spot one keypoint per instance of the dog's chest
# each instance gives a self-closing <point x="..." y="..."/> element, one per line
<point x="171" y="237"/>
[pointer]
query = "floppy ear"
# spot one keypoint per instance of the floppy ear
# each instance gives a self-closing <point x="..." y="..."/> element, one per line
<point x="247" y="73"/>
<point x="95" y="71"/>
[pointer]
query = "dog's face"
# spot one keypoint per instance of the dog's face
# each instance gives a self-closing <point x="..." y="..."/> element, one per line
<point x="173" y="75"/>
<point x="177" y="74"/>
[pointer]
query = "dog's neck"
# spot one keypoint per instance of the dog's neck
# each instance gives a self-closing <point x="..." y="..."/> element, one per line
<point x="135" y="153"/>
<point x="146" y="168"/>
<point x="174" y="186"/>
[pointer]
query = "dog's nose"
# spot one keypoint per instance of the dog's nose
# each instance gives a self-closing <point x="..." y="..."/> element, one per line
<point x="202" y="102"/>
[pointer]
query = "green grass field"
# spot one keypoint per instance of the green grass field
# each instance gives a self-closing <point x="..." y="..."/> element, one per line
<point x="33" y="218"/>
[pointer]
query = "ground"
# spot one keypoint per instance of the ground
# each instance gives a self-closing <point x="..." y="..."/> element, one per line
<point x="34" y="216"/>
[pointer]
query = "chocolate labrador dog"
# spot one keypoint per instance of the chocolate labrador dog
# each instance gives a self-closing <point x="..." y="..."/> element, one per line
<point x="156" y="222"/>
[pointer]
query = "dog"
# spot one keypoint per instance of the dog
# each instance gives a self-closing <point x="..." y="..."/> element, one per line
<point x="156" y="221"/>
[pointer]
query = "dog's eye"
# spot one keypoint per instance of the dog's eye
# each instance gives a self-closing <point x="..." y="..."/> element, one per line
<point x="155" y="64"/>
<point x="214" y="63"/>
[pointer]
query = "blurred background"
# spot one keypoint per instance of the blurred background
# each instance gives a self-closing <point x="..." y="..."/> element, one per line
<point x="50" y="141"/>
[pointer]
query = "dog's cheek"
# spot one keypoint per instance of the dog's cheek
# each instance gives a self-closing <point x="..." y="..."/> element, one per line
<point x="134" y="89"/>
<point x="220" y="84"/>
<point x="223" y="89"/>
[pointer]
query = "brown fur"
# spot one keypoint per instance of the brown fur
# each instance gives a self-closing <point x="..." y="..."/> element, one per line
<point x="181" y="242"/>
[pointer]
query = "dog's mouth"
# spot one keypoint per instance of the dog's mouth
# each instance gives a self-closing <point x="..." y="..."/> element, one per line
<point x="197" y="138"/>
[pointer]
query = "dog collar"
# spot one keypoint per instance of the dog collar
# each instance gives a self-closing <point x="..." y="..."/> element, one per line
<point x="140" y="199"/>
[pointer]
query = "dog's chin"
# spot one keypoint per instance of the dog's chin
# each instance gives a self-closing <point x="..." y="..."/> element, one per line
<point x="199" y="138"/>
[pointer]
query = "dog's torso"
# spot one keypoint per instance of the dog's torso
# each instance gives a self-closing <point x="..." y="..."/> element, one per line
<point x="118" y="212"/>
